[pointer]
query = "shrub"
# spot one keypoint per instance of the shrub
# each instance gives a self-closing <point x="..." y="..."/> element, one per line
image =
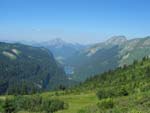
<point x="123" y="92"/>
<point x="106" y="104"/>
<point x="109" y="93"/>
<point x="9" y="106"/>
<point x="1" y="105"/>
<point x="32" y="104"/>
<point x="51" y="106"/>
<point x="105" y="94"/>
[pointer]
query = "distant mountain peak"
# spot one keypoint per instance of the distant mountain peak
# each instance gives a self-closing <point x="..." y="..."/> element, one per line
<point x="116" y="40"/>
<point x="57" y="41"/>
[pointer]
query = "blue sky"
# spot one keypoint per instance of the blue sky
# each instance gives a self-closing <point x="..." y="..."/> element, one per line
<point x="84" y="21"/>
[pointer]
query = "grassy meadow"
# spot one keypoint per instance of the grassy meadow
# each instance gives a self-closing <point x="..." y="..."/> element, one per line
<point x="89" y="103"/>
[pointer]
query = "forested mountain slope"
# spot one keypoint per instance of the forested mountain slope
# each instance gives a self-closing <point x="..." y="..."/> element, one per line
<point x="132" y="79"/>
<point x="116" y="51"/>
<point x="26" y="69"/>
<point x="123" y="90"/>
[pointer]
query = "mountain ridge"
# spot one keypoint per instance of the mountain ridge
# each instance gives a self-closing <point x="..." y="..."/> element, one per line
<point x="78" y="60"/>
<point x="117" y="51"/>
<point x="26" y="69"/>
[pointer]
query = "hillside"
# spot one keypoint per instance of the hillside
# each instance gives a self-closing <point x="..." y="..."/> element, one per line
<point x="61" y="50"/>
<point x="107" y="55"/>
<point x="26" y="69"/>
<point x="134" y="77"/>
<point x="123" y="90"/>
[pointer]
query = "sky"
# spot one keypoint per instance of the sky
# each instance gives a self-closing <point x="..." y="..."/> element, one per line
<point x="82" y="21"/>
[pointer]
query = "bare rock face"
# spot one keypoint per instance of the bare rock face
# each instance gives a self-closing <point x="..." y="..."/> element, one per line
<point x="116" y="40"/>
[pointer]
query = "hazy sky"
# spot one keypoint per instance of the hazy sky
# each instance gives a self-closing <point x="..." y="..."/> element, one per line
<point x="84" y="21"/>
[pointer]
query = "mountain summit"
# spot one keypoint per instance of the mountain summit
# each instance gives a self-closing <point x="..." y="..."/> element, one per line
<point x="116" y="40"/>
<point x="57" y="42"/>
<point x="61" y="49"/>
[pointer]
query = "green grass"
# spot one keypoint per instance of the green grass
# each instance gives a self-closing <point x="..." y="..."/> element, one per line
<point x="137" y="103"/>
<point x="75" y="102"/>
<point x="87" y="103"/>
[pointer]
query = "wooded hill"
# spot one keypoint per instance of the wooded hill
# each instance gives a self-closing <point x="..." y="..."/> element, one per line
<point x="26" y="69"/>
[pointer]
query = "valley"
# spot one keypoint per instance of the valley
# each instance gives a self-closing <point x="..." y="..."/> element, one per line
<point x="74" y="56"/>
<point x="84" y="61"/>
<point x="125" y="89"/>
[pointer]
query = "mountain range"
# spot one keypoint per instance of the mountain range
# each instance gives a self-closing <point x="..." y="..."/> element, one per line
<point x="83" y="61"/>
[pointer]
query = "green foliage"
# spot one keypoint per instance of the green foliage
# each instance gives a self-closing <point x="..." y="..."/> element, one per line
<point x="106" y="104"/>
<point x="147" y="73"/>
<point x="109" y="93"/>
<point x="31" y="103"/>
<point x="102" y="93"/>
<point x="53" y="105"/>
<point x="123" y="90"/>
<point x="120" y="82"/>
<point x="1" y="105"/>
<point x="137" y="103"/>
<point x="62" y="87"/>
<point x="91" y="109"/>
<point x="34" y="103"/>
<point x="9" y="106"/>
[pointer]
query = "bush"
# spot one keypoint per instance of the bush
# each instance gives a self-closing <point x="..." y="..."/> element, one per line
<point x="123" y="92"/>
<point x="9" y="106"/>
<point x="32" y="104"/>
<point x="109" y="93"/>
<point x="106" y="104"/>
<point x="1" y="106"/>
<point x="51" y="106"/>
<point x="105" y="94"/>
